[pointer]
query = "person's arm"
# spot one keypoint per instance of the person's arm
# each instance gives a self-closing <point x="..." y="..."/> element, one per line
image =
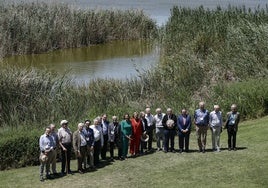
<point x="92" y="138"/>
<point x="60" y="141"/>
<point x="195" y="118"/>
<point x="238" y="117"/>
<point x="101" y="136"/>
<point x="179" y="124"/>
<point x="237" y="121"/>
<point x="75" y="143"/>
<point x="188" y="128"/>
<point x="210" y="119"/>
<point x="221" y="121"/>
<point x="109" y="132"/>
<point x="164" y="122"/>
<point x="207" y="118"/>
<point x="42" y="148"/>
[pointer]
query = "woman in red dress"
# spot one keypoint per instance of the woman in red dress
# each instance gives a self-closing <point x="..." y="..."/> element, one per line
<point x="136" y="134"/>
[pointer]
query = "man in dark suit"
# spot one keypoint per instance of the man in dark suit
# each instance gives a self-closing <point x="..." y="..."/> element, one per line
<point x="169" y="122"/>
<point x="145" y="129"/>
<point x="184" y="128"/>
<point x="89" y="134"/>
<point x="233" y="118"/>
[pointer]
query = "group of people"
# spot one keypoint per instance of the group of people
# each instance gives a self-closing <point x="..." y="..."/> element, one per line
<point x="134" y="135"/>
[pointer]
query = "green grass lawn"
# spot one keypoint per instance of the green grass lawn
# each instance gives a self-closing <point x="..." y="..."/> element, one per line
<point x="246" y="167"/>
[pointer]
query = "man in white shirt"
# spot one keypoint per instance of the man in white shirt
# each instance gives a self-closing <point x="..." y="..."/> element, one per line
<point x="98" y="140"/>
<point x="215" y="122"/>
<point x="159" y="128"/>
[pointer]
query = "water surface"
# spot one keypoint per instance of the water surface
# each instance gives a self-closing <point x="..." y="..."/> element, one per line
<point x="118" y="59"/>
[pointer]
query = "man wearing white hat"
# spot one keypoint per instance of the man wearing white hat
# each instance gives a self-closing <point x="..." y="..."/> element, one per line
<point x="65" y="141"/>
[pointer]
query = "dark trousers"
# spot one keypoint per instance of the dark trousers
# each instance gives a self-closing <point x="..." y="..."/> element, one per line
<point x="143" y="146"/>
<point x="150" y="133"/>
<point x="184" y="141"/>
<point x="169" y="135"/>
<point x="112" y="149"/>
<point x="119" y="148"/>
<point x="231" y="138"/>
<point x="66" y="157"/>
<point x="104" y="148"/>
<point x="97" y="149"/>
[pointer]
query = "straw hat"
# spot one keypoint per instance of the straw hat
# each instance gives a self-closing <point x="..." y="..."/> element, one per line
<point x="63" y="122"/>
<point x="144" y="137"/>
<point x="43" y="158"/>
<point x="170" y="123"/>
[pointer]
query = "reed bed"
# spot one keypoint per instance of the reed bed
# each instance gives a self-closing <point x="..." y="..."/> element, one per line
<point x="204" y="48"/>
<point x="27" y="28"/>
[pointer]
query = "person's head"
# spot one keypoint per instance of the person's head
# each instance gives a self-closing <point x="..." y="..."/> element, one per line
<point x="142" y="114"/>
<point x="104" y="117"/>
<point x="126" y="116"/>
<point x="158" y="111"/>
<point x="99" y="119"/>
<point x="80" y="126"/>
<point x="135" y="115"/>
<point x="87" y="123"/>
<point x="234" y="108"/>
<point x="216" y="108"/>
<point x="169" y="111"/>
<point x="148" y="110"/>
<point x="114" y="118"/>
<point x="47" y="130"/>
<point x="96" y="122"/>
<point x="64" y="123"/>
<point x="183" y="111"/>
<point x="202" y="105"/>
<point x="52" y="127"/>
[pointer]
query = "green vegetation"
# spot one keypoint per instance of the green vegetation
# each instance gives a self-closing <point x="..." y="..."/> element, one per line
<point x="41" y="27"/>
<point x="246" y="167"/>
<point x="218" y="56"/>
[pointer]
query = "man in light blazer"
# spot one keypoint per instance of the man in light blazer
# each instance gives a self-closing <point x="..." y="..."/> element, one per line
<point x="80" y="147"/>
<point x="184" y="128"/>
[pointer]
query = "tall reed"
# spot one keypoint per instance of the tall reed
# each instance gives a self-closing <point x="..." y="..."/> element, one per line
<point x="41" y="27"/>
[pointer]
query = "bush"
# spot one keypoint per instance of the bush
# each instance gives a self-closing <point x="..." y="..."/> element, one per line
<point x="251" y="97"/>
<point x="19" y="150"/>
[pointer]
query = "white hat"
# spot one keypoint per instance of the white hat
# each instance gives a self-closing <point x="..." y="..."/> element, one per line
<point x="145" y="137"/>
<point x="43" y="158"/>
<point x="63" y="122"/>
<point x="170" y="123"/>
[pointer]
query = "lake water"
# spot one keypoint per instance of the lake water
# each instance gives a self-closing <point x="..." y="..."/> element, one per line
<point x="117" y="60"/>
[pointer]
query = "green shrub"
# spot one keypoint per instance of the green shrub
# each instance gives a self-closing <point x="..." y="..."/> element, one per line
<point x="19" y="149"/>
<point x="251" y="97"/>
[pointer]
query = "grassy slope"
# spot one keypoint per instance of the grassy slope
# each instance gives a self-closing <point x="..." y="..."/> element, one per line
<point x="247" y="167"/>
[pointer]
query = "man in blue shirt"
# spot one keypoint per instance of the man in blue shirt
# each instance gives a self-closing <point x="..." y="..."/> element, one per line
<point x="47" y="145"/>
<point x="201" y="121"/>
